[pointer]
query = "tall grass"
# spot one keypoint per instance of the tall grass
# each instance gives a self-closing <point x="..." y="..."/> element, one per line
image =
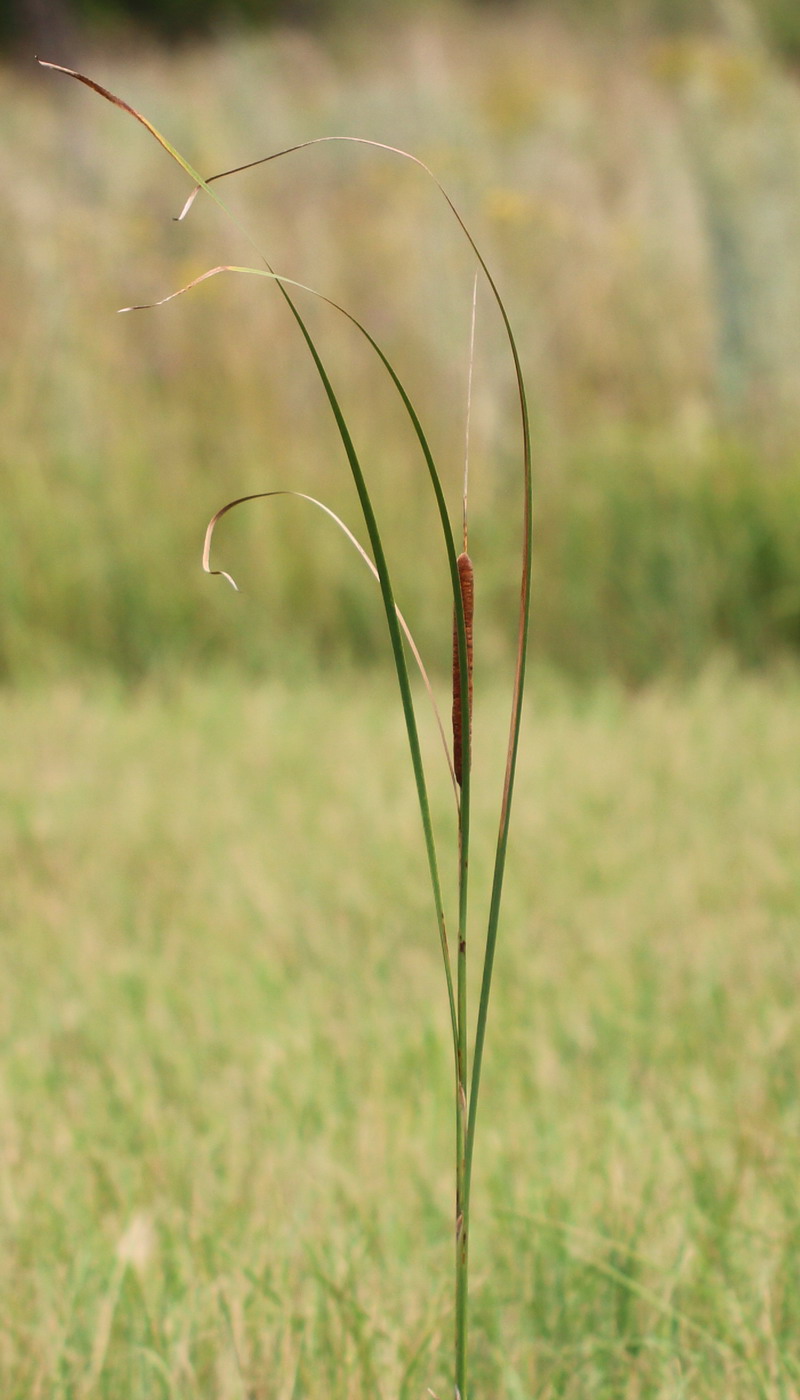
<point x="467" y="1071"/>
<point x="208" y="1042"/>
<point x="640" y="203"/>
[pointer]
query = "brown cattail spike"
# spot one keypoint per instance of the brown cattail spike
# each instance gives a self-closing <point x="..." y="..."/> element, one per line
<point x="466" y="578"/>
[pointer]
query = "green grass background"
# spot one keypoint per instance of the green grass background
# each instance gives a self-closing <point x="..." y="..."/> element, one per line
<point x="639" y="202"/>
<point x="225" y="1119"/>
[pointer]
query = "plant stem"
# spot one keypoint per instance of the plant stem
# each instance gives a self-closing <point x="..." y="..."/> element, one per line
<point x="466" y="1099"/>
<point x="511" y="763"/>
<point x="462" y="1204"/>
<point x="462" y="1066"/>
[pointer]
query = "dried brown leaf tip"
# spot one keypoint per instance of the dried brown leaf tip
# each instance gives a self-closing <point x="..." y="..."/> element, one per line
<point x="466" y="578"/>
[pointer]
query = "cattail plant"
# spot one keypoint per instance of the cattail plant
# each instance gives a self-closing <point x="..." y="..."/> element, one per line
<point x="466" y="579"/>
<point x="466" y="1076"/>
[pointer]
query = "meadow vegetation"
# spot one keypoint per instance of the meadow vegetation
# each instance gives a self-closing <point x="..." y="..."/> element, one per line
<point x="639" y="201"/>
<point x="226" y="1079"/>
<point x="225" y="1093"/>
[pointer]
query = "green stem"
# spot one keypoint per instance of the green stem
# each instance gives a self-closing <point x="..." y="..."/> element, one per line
<point x="511" y="765"/>
<point x="466" y="1104"/>
<point x="394" y="631"/>
<point x="462" y="1202"/>
<point x="460" y="1026"/>
<point x="458" y="1006"/>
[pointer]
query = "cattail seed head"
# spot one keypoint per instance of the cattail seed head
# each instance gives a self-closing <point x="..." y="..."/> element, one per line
<point x="466" y="576"/>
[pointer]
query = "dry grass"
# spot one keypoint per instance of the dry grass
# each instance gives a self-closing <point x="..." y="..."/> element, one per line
<point x="640" y="203"/>
<point x="226" y="1078"/>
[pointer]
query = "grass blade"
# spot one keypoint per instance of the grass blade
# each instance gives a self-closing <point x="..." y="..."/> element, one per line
<point x="466" y="1098"/>
<point x="369" y="517"/>
<point x="302" y="496"/>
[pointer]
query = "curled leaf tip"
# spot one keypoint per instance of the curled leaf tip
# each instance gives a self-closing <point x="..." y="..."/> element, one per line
<point x="187" y="206"/>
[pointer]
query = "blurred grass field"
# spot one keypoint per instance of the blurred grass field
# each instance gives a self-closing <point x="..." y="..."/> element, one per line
<point x="639" y="201"/>
<point x="226" y="1125"/>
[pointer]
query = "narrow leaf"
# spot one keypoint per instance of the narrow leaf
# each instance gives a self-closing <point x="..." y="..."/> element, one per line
<point x="312" y="500"/>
